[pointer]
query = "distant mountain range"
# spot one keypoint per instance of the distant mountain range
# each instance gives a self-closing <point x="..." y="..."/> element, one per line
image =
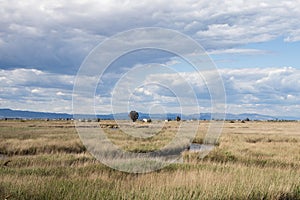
<point x="8" y="113"/>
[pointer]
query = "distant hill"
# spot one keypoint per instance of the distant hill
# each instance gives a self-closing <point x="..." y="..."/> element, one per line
<point x="9" y="113"/>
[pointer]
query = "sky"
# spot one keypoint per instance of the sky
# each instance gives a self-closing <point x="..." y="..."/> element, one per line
<point x="254" y="45"/>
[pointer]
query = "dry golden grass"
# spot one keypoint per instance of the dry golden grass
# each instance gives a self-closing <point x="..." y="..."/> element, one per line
<point x="255" y="160"/>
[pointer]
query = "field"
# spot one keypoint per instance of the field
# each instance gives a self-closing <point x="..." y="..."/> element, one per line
<point x="252" y="160"/>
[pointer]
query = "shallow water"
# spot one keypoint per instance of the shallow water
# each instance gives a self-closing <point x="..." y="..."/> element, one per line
<point x="200" y="147"/>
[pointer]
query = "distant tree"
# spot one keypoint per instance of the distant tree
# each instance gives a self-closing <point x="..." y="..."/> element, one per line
<point x="133" y="115"/>
<point x="178" y="118"/>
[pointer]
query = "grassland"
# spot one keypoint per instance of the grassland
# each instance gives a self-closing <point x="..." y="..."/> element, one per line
<point x="46" y="160"/>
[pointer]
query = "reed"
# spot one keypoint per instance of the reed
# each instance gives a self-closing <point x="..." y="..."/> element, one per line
<point x="254" y="160"/>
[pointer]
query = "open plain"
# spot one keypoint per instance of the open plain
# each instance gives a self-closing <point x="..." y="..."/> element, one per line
<point x="252" y="160"/>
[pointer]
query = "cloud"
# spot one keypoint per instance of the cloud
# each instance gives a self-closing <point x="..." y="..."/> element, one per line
<point x="238" y="51"/>
<point x="31" y="89"/>
<point x="271" y="91"/>
<point x="293" y="36"/>
<point x="260" y="90"/>
<point x="35" y="78"/>
<point x="43" y="43"/>
<point x="55" y="36"/>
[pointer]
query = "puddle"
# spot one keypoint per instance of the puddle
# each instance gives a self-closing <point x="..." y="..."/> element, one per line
<point x="194" y="147"/>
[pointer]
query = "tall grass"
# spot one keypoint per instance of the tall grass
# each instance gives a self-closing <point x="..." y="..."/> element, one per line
<point x="59" y="167"/>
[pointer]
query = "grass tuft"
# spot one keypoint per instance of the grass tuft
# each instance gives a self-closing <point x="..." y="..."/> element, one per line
<point x="253" y="160"/>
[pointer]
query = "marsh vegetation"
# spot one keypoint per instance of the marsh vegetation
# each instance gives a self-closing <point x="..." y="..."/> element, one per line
<point x="47" y="160"/>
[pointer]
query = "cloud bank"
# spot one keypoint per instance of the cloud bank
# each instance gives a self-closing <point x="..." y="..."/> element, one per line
<point x="43" y="43"/>
<point x="55" y="36"/>
<point x="270" y="91"/>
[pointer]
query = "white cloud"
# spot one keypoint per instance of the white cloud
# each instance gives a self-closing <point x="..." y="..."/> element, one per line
<point x="35" y="90"/>
<point x="59" y="93"/>
<point x="291" y="97"/>
<point x="238" y="51"/>
<point x="42" y="41"/>
<point x="57" y="35"/>
<point x="33" y="77"/>
<point x="31" y="89"/>
<point x="293" y="36"/>
<point x="266" y="91"/>
<point x="260" y="90"/>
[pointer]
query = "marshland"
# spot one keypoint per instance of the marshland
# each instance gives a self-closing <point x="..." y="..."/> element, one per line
<point x="252" y="160"/>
